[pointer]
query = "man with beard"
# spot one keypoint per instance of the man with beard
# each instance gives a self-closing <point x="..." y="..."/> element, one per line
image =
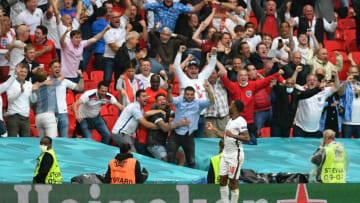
<point x="88" y="114"/>
<point x="321" y="61"/>
<point x="129" y="119"/>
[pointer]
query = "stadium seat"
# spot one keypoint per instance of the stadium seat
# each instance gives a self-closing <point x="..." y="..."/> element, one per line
<point x="113" y="110"/>
<point x="349" y="34"/>
<point x="335" y="45"/>
<point x="265" y="132"/>
<point x="343" y="73"/>
<point x="112" y="87"/>
<point x="104" y="110"/>
<point x="351" y="45"/>
<point x="77" y="96"/>
<point x="90" y="84"/>
<point x="97" y="75"/>
<point x="70" y="99"/>
<point x="339" y="35"/>
<point x="86" y="76"/>
<point x="110" y="121"/>
<point x="72" y="121"/>
<point x="33" y="132"/>
<point x="347" y="23"/>
<point x="96" y="136"/>
<point x="332" y="57"/>
<point x="356" y="57"/>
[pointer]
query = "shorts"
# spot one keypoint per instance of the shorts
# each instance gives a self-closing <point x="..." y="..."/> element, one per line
<point x="231" y="167"/>
<point x="158" y="151"/>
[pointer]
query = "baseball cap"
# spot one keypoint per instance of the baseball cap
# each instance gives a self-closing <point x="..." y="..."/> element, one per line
<point x="193" y="62"/>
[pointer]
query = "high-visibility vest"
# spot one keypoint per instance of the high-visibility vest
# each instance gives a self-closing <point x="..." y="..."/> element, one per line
<point x="333" y="170"/>
<point x="215" y="161"/>
<point x="123" y="172"/>
<point x="54" y="175"/>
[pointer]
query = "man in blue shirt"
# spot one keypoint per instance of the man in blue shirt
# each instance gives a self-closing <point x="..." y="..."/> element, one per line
<point x="167" y="12"/>
<point x="189" y="108"/>
<point x="96" y="28"/>
<point x="68" y="8"/>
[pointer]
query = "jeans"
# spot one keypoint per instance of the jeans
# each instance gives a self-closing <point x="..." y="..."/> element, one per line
<point x="99" y="61"/>
<point x="46" y="124"/>
<point x="2" y="127"/>
<point x="201" y="127"/>
<point x="141" y="148"/>
<point x="108" y="68"/>
<point x="124" y="138"/>
<point x="58" y="53"/>
<point x="277" y="131"/>
<point x="86" y="58"/>
<point x="260" y="117"/>
<point x="252" y="133"/>
<point x="350" y="130"/>
<point x="188" y="145"/>
<point x="157" y="151"/>
<point x="156" y="67"/>
<point x="62" y="124"/>
<point x="18" y="125"/>
<point x="298" y="132"/>
<point x="99" y="124"/>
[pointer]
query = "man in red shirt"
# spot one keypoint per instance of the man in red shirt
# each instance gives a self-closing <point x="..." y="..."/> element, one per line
<point x="141" y="132"/>
<point x="269" y="18"/>
<point x="245" y="90"/>
<point x="45" y="48"/>
<point x="152" y="91"/>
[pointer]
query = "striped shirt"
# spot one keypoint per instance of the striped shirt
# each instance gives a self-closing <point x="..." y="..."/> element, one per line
<point x="221" y="108"/>
<point x="91" y="103"/>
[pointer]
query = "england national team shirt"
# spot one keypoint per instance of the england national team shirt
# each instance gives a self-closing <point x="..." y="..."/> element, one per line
<point x="309" y="111"/>
<point x="232" y="145"/>
<point x="91" y="103"/>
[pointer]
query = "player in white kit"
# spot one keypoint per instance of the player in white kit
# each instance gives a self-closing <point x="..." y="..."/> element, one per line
<point x="233" y="154"/>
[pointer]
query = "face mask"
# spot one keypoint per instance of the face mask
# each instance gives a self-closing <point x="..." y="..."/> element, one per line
<point x="243" y="85"/>
<point x="43" y="148"/>
<point x="289" y="90"/>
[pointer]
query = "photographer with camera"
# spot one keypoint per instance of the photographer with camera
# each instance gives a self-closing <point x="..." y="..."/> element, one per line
<point x="349" y="92"/>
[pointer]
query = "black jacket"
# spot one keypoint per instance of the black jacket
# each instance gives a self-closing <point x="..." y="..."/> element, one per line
<point x="289" y="70"/>
<point x="121" y="61"/>
<point x="44" y="169"/>
<point x="256" y="60"/>
<point x="158" y="137"/>
<point x="30" y="77"/>
<point x="283" y="109"/>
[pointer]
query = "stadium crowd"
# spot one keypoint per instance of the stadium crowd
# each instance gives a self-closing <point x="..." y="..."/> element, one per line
<point x="153" y="73"/>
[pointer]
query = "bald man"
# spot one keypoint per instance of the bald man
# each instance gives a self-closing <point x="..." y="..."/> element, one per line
<point x="321" y="60"/>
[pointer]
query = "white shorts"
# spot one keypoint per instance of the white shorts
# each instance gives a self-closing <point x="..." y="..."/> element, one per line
<point x="231" y="166"/>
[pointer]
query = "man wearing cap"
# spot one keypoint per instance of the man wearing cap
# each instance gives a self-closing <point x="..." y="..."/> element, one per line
<point x="195" y="79"/>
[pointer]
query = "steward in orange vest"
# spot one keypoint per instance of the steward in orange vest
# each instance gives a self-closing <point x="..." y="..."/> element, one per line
<point x="124" y="169"/>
